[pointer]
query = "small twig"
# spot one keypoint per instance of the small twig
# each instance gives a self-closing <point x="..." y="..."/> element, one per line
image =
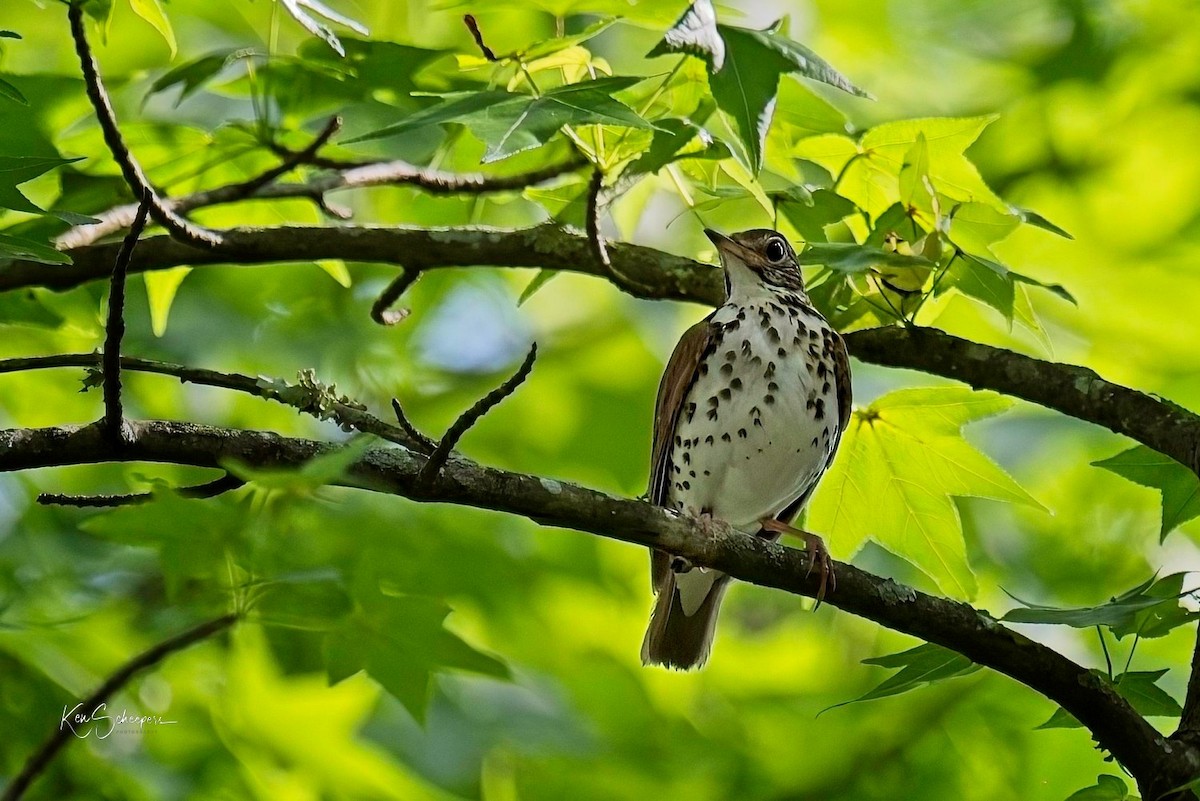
<point x="477" y="35"/>
<point x="161" y="211"/>
<point x="64" y="733"/>
<point x="356" y="176"/>
<point x="596" y="239"/>
<point x="427" y="445"/>
<point x="437" y="459"/>
<point x="345" y="415"/>
<point x="211" y="489"/>
<point x="291" y="161"/>
<point x="380" y="312"/>
<point x="115" y="327"/>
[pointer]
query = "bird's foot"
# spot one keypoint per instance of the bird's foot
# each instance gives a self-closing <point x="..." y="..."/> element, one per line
<point x="680" y="565"/>
<point x="818" y="555"/>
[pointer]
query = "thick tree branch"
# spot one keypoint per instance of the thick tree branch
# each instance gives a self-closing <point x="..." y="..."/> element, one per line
<point x="63" y="734"/>
<point x="1076" y="391"/>
<point x="1091" y="699"/>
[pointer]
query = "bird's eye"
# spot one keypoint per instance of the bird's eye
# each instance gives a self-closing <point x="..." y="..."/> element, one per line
<point x="776" y="250"/>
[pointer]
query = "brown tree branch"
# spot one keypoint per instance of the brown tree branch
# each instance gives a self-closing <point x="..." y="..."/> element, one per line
<point x="357" y="176"/>
<point x="437" y="458"/>
<point x="209" y="489"/>
<point x="114" y="329"/>
<point x="149" y="658"/>
<point x="977" y="635"/>
<point x="1076" y="391"/>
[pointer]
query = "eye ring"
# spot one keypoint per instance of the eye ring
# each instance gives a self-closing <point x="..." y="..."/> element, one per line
<point x="776" y="250"/>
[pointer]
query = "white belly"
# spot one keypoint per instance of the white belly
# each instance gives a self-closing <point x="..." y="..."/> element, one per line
<point x="753" y="446"/>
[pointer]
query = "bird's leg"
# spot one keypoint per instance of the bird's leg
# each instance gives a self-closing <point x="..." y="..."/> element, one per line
<point x="818" y="554"/>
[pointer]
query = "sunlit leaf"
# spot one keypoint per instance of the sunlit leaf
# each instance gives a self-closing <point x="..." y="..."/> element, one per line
<point x="1038" y="221"/>
<point x="902" y="461"/>
<point x="161" y="288"/>
<point x="550" y="46"/>
<point x="536" y="283"/>
<point x="695" y="33"/>
<point x="306" y="12"/>
<point x="1179" y="486"/>
<point x="510" y="122"/>
<point x="152" y="12"/>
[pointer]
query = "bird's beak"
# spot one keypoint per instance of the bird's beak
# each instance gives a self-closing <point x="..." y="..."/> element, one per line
<point x="726" y="246"/>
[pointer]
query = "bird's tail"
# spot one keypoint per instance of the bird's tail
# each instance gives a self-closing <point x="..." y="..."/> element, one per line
<point x="678" y="640"/>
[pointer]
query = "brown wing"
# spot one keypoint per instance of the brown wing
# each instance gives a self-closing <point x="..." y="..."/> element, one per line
<point x="845" y="397"/>
<point x="672" y="390"/>
<point x="676" y="381"/>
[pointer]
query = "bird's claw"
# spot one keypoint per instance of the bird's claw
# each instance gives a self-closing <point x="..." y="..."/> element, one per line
<point x="818" y="556"/>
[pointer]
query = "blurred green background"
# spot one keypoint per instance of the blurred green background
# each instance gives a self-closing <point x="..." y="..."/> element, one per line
<point x="1097" y="130"/>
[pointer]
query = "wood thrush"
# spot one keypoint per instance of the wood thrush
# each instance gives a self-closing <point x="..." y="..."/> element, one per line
<point x="750" y="411"/>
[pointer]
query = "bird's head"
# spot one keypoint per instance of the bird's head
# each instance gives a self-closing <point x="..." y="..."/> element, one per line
<point x="765" y="255"/>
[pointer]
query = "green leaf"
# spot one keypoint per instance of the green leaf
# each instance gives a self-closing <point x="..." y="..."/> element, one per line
<point x="984" y="280"/>
<point x="810" y="218"/>
<point x="509" y="122"/>
<point x="917" y="667"/>
<point x="870" y="168"/>
<point x="1106" y="788"/>
<point x="1139" y="688"/>
<point x="18" y="247"/>
<point x="26" y="308"/>
<point x="303" y="603"/>
<point x="319" y="471"/>
<point x="191" y="75"/>
<point x="1038" y="221"/>
<point x="1119" y="614"/>
<point x="1179" y="486"/>
<point x="848" y="257"/>
<point x="152" y="12"/>
<point x="1055" y="289"/>
<point x="694" y="33"/>
<point x="300" y="11"/>
<point x="675" y="139"/>
<point x="551" y="46"/>
<point x="914" y="172"/>
<point x="400" y="642"/>
<point x="540" y="280"/>
<point x="161" y="288"/>
<point x="801" y="59"/>
<point x="10" y="92"/>
<point x="900" y="465"/>
<point x="975" y="227"/>
<point x="15" y="170"/>
<point x="745" y="66"/>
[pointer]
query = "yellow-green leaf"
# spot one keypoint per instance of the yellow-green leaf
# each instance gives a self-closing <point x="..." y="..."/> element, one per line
<point x="902" y="460"/>
<point x="161" y="286"/>
<point x="337" y="270"/>
<point x="152" y="12"/>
